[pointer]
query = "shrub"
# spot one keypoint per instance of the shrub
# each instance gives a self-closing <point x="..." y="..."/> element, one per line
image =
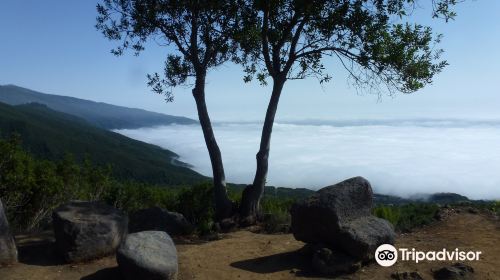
<point x="391" y="214"/>
<point x="494" y="206"/>
<point x="32" y="188"/>
<point x="197" y="205"/>
<point x="408" y="216"/>
<point x="276" y="214"/>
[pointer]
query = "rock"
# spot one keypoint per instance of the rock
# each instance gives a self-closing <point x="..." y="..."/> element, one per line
<point x="227" y="225"/>
<point x="148" y="255"/>
<point x="331" y="263"/>
<point x="88" y="230"/>
<point x="362" y="236"/>
<point x="8" y="250"/>
<point x="406" y="276"/>
<point x="472" y="210"/>
<point x="458" y="271"/>
<point x="159" y="219"/>
<point x="340" y="217"/>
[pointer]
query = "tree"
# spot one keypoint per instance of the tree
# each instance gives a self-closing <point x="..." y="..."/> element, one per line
<point x="371" y="39"/>
<point x="199" y="34"/>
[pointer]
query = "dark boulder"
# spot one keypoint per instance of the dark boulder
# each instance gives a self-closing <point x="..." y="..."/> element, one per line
<point x="340" y="217"/>
<point x="8" y="250"/>
<point x="317" y="217"/>
<point x="458" y="271"/>
<point x="159" y="219"/>
<point x="88" y="230"/>
<point x="148" y="255"/>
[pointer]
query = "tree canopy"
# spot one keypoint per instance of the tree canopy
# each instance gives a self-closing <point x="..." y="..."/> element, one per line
<point x="372" y="39"/>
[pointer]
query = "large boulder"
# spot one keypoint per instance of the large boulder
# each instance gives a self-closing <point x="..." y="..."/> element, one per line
<point x="148" y="255"/>
<point x="8" y="250"/>
<point x="88" y="230"/>
<point x="316" y="218"/>
<point x="159" y="219"/>
<point x="340" y="217"/>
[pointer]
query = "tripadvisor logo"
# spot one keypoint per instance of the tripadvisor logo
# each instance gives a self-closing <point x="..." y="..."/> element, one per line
<point x="387" y="255"/>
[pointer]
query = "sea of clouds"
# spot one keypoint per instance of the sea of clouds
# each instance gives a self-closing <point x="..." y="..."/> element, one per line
<point x="398" y="157"/>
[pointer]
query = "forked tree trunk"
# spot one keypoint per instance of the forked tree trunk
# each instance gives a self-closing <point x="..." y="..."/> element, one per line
<point x="223" y="205"/>
<point x="250" y="201"/>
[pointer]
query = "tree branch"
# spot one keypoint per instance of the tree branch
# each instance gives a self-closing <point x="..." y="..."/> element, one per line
<point x="265" y="42"/>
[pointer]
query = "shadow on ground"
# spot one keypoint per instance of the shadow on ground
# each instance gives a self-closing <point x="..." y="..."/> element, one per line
<point x="111" y="273"/>
<point x="39" y="250"/>
<point x="291" y="261"/>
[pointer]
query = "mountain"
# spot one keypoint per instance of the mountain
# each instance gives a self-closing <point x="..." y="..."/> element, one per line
<point x="99" y="114"/>
<point x="49" y="134"/>
<point x="446" y="198"/>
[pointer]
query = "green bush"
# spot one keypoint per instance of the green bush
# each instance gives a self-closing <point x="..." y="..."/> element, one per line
<point x="276" y="214"/>
<point x="493" y="206"/>
<point x="391" y="214"/>
<point x="31" y="188"/>
<point x="408" y="216"/>
<point x="197" y="205"/>
<point x="132" y="196"/>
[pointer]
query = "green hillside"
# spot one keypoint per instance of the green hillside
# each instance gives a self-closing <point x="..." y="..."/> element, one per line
<point x="99" y="114"/>
<point x="51" y="135"/>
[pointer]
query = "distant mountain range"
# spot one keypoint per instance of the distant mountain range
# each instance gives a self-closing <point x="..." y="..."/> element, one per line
<point x="50" y="135"/>
<point x="96" y="113"/>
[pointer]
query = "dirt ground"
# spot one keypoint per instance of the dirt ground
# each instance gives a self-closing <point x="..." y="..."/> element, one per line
<point x="246" y="255"/>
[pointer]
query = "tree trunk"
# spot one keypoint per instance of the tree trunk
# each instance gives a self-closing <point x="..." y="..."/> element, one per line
<point x="250" y="201"/>
<point x="223" y="206"/>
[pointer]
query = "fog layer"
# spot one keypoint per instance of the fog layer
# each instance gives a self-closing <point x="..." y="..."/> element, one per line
<point x="400" y="158"/>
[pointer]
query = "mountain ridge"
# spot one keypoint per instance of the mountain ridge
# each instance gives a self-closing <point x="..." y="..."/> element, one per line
<point x="100" y="114"/>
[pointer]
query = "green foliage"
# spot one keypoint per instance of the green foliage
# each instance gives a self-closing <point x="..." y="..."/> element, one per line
<point x="32" y="188"/>
<point x="391" y="214"/>
<point x="371" y="39"/>
<point x="495" y="207"/>
<point x="131" y="196"/>
<point x="51" y="135"/>
<point x="408" y="216"/>
<point x="276" y="213"/>
<point x="197" y="205"/>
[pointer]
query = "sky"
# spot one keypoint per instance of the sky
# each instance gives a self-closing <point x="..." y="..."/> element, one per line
<point x="52" y="46"/>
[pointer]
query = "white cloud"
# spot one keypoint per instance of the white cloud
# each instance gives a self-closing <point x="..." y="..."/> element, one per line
<point x="452" y="157"/>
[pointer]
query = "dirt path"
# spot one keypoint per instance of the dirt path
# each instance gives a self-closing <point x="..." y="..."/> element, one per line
<point x="246" y="255"/>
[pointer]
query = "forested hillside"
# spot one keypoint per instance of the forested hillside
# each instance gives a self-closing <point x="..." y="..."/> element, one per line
<point x="52" y="135"/>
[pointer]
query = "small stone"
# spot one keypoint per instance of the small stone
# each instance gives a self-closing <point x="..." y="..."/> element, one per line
<point x="331" y="263"/>
<point x="406" y="276"/>
<point x="458" y="271"/>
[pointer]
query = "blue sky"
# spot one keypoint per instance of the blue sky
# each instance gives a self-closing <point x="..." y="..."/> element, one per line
<point x="52" y="46"/>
